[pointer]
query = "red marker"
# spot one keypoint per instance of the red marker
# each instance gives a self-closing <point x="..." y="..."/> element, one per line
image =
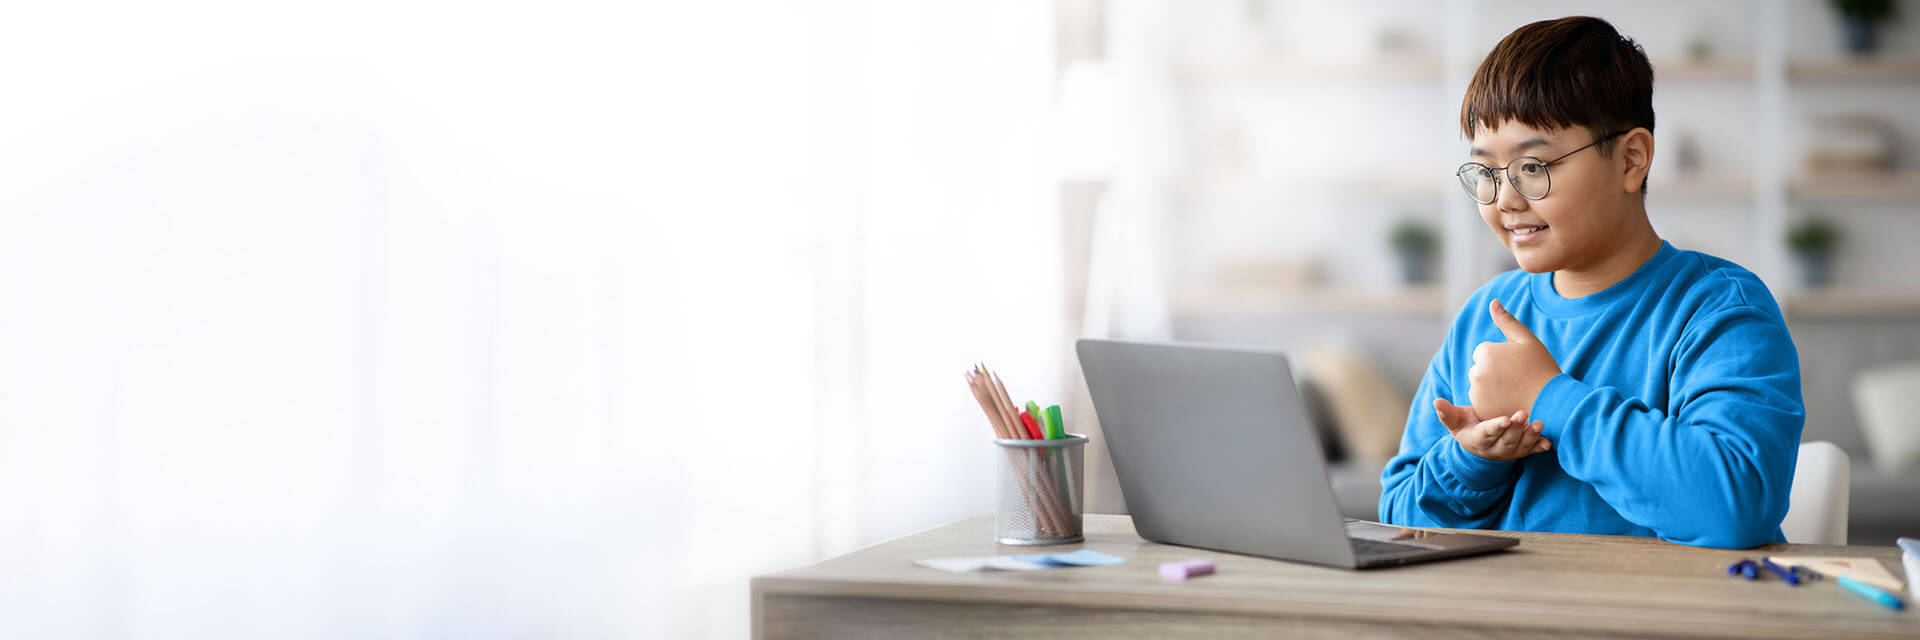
<point x="1033" y="427"/>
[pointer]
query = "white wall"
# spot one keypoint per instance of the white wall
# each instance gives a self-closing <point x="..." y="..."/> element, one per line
<point x="435" y="319"/>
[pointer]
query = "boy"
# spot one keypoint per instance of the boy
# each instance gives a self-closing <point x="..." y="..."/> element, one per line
<point x="1662" y="386"/>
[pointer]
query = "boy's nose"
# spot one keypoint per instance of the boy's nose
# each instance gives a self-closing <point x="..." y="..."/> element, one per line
<point x="1509" y="198"/>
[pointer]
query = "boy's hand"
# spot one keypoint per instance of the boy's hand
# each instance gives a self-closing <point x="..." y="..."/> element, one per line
<point x="1507" y="376"/>
<point x="1502" y="438"/>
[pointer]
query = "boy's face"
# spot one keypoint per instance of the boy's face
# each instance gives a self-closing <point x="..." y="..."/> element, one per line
<point x="1579" y="223"/>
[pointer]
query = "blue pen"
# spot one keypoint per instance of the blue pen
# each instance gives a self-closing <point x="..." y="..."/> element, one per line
<point x="1783" y="573"/>
<point x="1871" y="592"/>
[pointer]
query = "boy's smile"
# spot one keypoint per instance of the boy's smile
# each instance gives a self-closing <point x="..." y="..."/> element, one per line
<point x="1525" y="234"/>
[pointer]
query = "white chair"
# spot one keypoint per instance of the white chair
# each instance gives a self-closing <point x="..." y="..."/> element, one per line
<point x="1887" y="400"/>
<point x="1817" y="504"/>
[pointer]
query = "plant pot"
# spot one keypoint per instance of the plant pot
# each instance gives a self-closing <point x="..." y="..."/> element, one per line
<point x="1415" y="266"/>
<point x="1813" y="269"/>
<point x="1858" y="35"/>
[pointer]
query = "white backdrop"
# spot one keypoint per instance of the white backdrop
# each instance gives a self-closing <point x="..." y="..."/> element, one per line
<point x="415" y="319"/>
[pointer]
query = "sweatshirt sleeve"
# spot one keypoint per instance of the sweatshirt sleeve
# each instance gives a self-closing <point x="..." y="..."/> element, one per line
<point x="1714" y="469"/>
<point x="1433" y="482"/>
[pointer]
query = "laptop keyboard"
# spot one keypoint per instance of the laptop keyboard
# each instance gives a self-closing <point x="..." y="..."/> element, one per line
<point x="1365" y="547"/>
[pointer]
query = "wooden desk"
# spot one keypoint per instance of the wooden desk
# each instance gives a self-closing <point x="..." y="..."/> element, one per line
<point x="1558" y="584"/>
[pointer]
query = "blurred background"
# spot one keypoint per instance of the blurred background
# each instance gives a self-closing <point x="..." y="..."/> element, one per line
<point x="428" y="319"/>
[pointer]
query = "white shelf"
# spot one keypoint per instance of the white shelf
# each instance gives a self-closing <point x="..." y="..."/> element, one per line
<point x="1274" y="67"/>
<point x="1853" y="303"/>
<point x="1280" y="301"/>
<point x="1821" y="303"/>
<point x="1687" y="186"/>
<point x="1393" y="185"/>
<point x="1709" y="69"/>
<point x="1889" y="186"/>
<point x="1867" y="68"/>
<point x="1700" y="186"/>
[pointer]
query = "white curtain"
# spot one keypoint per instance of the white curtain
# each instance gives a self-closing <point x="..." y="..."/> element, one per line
<point x="558" y="319"/>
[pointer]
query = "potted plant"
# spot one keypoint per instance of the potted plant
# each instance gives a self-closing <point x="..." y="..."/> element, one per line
<point x="1413" y="242"/>
<point x="1857" y="20"/>
<point x="1812" y="242"/>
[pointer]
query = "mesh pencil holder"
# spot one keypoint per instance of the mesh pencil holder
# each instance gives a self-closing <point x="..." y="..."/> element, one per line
<point x="1040" y="486"/>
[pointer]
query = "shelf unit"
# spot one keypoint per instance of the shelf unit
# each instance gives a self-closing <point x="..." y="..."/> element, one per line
<point x="1770" y="195"/>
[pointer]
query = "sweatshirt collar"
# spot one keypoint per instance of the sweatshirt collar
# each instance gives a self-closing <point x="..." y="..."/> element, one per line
<point x="1550" y="301"/>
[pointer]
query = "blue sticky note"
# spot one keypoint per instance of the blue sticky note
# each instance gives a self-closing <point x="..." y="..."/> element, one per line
<point x="1046" y="559"/>
<point x="1081" y="558"/>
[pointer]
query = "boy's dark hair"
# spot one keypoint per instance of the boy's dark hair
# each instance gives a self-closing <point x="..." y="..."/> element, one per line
<point x="1554" y="74"/>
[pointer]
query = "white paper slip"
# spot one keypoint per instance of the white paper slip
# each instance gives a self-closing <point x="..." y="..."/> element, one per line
<point x="1912" y="562"/>
<point x="980" y="563"/>
<point x="1866" y="570"/>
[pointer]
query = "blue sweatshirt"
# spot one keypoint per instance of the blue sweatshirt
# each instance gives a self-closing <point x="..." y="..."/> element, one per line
<point x="1677" y="414"/>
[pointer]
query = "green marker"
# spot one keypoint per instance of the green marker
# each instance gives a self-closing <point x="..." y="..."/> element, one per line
<point x="1056" y="428"/>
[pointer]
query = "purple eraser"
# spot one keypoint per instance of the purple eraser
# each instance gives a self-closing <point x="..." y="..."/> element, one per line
<point x="1183" y="569"/>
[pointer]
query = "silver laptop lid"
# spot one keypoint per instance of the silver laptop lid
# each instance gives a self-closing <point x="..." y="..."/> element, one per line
<point x="1213" y="449"/>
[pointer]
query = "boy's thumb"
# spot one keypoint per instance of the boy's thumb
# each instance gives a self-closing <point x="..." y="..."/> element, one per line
<point x="1509" y="325"/>
<point x="1454" y="417"/>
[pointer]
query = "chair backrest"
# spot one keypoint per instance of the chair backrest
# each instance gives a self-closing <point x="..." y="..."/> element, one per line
<point x="1817" y="504"/>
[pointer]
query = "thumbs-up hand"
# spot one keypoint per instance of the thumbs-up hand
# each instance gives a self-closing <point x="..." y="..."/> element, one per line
<point x="1507" y="376"/>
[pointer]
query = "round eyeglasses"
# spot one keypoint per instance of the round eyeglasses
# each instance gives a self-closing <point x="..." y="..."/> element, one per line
<point x="1526" y="174"/>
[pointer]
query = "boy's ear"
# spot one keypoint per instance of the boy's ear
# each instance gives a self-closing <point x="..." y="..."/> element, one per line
<point x="1636" y="153"/>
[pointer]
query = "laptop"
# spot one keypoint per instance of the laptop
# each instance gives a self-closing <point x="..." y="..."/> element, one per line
<point x="1213" y="450"/>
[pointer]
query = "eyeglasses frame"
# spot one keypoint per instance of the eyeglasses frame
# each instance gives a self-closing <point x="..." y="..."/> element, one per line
<point x="1505" y="171"/>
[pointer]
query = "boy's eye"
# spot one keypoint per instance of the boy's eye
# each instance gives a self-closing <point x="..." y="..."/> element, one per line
<point x="1532" y="169"/>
